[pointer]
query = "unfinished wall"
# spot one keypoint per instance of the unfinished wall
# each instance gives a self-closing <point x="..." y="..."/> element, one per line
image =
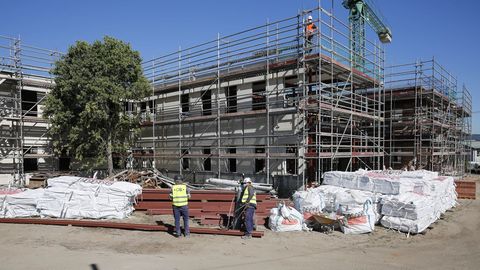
<point x="428" y="118"/>
<point x="263" y="103"/>
<point x="24" y="82"/>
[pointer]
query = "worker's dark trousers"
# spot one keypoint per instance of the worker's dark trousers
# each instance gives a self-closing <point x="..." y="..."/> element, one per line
<point x="249" y="212"/>
<point x="309" y="44"/>
<point x="179" y="211"/>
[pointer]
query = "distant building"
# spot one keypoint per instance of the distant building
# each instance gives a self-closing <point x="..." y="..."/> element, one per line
<point x="475" y="146"/>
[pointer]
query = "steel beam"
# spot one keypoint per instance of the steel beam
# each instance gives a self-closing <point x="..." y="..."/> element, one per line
<point x="123" y="226"/>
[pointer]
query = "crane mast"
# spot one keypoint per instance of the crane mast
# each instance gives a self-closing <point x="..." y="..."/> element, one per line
<point x="360" y="12"/>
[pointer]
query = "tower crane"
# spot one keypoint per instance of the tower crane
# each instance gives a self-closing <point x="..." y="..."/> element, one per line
<point x="362" y="11"/>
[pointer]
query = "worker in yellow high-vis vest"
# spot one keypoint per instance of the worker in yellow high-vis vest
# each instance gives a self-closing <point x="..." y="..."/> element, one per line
<point x="180" y="194"/>
<point x="249" y="202"/>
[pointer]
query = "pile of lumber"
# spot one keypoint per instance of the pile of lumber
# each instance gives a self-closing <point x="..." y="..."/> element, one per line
<point x="209" y="207"/>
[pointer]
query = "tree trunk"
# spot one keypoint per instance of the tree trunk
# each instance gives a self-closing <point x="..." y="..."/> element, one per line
<point x="109" y="156"/>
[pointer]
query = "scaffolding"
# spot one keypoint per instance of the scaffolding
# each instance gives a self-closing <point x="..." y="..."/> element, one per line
<point x="428" y="118"/>
<point x="24" y="82"/>
<point x="266" y="102"/>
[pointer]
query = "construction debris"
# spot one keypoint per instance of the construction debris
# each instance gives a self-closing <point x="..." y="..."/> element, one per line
<point x="155" y="179"/>
<point x="147" y="179"/>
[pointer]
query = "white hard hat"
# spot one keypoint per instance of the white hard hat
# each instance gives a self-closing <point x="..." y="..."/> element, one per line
<point x="247" y="180"/>
<point x="309" y="17"/>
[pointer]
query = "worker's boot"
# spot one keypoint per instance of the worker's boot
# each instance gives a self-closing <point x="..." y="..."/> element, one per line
<point x="247" y="236"/>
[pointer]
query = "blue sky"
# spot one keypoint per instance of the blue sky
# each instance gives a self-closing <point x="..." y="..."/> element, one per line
<point x="448" y="30"/>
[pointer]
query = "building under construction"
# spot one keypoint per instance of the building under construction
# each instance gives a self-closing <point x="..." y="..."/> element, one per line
<point x="267" y="103"/>
<point x="428" y="118"/>
<point x="24" y="82"/>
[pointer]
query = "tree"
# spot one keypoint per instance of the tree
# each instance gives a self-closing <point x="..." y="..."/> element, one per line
<point x="85" y="108"/>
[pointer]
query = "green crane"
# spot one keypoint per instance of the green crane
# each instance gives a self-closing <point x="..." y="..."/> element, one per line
<point x="360" y="12"/>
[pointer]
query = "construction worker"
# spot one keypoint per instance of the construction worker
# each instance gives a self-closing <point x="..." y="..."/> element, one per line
<point x="249" y="202"/>
<point x="180" y="195"/>
<point x="310" y="29"/>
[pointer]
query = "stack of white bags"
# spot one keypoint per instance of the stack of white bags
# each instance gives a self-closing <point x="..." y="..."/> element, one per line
<point x="408" y="201"/>
<point x="74" y="197"/>
<point x="414" y="211"/>
<point x="20" y="203"/>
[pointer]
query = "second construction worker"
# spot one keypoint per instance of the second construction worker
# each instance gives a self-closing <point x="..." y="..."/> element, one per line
<point x="310" y="29"/>
<point x="180" y="195"/>
<point x="249" y="202"/>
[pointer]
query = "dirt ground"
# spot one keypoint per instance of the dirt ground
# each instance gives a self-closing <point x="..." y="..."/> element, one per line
<point x="452" y="243"/>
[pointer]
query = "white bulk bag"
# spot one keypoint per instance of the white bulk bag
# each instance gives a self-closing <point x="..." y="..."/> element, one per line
<point x="309" y="201"/>
<point x="363" y="222"/>
<point x="285" y="219"/>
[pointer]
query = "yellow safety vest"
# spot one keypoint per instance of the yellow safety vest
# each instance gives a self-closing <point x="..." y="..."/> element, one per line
<point x="253" y="200"/>
<point x="179" y="195"/>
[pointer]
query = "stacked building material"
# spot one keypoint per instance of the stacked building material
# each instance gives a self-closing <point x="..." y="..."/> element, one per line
<point x="21" y="203"/>
<point x="4" y="192"/>
<point x="407" y="201"/>
<point x="77" y="197"/>
<point x="384" y="182"/>
<point x="414" y="212"/>
<point x="210" y="207"/>
<point x="466" y="189"/>
<point x="409" y="205"/>
<point x="72" y="197"/>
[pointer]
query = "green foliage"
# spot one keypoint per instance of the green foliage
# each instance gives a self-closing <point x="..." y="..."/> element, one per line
<point x="85" y="108"/>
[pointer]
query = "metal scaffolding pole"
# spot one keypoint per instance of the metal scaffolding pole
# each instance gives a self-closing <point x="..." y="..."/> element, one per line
<point x="314" y="99"/>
